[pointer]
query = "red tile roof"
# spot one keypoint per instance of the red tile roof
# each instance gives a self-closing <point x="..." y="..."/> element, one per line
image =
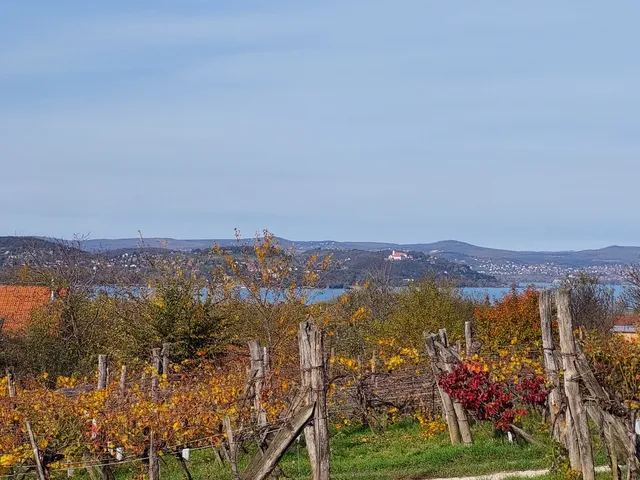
<point x="626" y="320"/>
<point x="17" y="303"/>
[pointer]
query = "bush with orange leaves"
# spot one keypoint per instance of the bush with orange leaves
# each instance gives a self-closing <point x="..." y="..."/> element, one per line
<point x="510" y="322"/>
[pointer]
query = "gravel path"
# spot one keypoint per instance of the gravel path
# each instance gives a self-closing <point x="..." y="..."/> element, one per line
<point x="505" y="475"/>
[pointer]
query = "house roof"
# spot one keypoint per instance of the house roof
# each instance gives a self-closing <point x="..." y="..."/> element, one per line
<point x="17" y="303"/>
<point x="626" y="320"/>
<point x="626" y="324"/>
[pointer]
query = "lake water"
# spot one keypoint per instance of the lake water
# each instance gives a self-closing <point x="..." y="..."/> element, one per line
<point x="322" y="294"/>
<point x="315" y="295"/>
<point x="499" y="292"/>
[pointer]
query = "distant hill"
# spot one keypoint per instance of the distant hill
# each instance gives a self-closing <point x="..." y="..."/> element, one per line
<point x="130" y="258"/>
<point x="449" y="249"/>
<point x="500" y="265"/>
<point x="349" y="267"/>
<point x="104" y="245"/>
<point x="21" y="247"/>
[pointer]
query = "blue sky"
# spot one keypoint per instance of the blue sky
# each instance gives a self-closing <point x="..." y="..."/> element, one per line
<point x="507" y="124"/>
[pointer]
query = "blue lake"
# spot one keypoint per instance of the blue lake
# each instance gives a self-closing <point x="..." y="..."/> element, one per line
<point x="499" y="292"/>
<point x="315" y="295"/>
<point x="322" y="295"/>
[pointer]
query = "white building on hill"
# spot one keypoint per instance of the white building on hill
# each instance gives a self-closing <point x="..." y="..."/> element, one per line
<point x="398" y="256"/>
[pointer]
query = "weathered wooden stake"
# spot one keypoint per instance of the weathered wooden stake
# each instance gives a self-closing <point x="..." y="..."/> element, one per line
<point x="632" y="461"/>
<point x="266" y="359"/>
<point x="166" y="358"/>
<point x="468" y="339"/>
<point x="155" y="379"/>
<point x="447" y="403"/>
<point x="102" y="372"/>
<point x="314" y="339"/>
<point x="320" y="417"/>
<point x="261" y="466"/>
<point x="11" y="382"/>
<point x="551" y="369"/>
<point x="154" y="465"/>
<point x="572" y="385"/>
<point x="610" y="446"/>
<point x="36" y="452"/>
<point x="449" y="360"/>
<point x="258" y="374"/>
<point x="444" y="338"/>
<point x="123" y="381"/>
<point x="305" y="385"/>
<point x="233" y="447"/>
<point x="571" y="438"/>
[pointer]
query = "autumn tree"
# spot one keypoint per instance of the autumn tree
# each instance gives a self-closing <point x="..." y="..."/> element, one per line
<point x="631" y="293"/>
<point x="264" y="290"/>
<point x="177" y="306"/>
<point x="593" y="305"/>
<point x="427" y="304"/>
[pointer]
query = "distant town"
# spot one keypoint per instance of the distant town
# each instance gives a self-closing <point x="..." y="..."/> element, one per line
<point x="547" y="272"/>
<point x="352" y="262"/>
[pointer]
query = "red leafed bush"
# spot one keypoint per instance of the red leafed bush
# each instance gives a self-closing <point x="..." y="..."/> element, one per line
<point x="489" y="400"/>
<point x="532" y="391"/>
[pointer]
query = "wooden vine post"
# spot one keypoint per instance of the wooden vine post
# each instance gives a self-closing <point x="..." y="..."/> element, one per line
<point x="468" y="339"/>
<point x="102" y="372"/>
<point x="123" y="381"/>
<point x="154" y="464"/>
<point x="551" y="368"/>
<point x="449" y="361"/>
<point x="632" y="462"/>
<point x="233" y="447"/>
<point x="11" y="382"/>
<point x="313" y="362"/>
<point x="447" y="403"/>
<point x="266" y="360"/>
<point x="305" y="384"/>
<point x="575" y="403"/>
<point x="11" y="388"/>
<point x="262" y="466"/>
<point x="258" y="375"/>
<point x="155" y="373"/>
<point x="36" y="452"/>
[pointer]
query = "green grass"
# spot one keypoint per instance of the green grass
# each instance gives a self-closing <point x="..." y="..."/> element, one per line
<point x="398" y="453"/>
<point x="402" y="452"/>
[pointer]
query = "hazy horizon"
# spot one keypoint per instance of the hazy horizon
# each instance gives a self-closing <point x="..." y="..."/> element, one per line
<point x="147" y="239"/>
<point x="507" y="125"/>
